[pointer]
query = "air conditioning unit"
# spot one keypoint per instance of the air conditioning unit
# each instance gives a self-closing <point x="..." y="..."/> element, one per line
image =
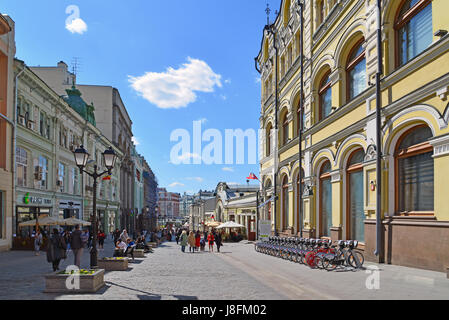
<point x="21" y="120"/>
<point x="30" y="125"/>
<point x="38" y="173"/>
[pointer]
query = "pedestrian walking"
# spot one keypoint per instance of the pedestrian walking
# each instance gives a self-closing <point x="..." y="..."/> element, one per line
<point x="178" y="234"/>
<point x="101" y="237"/>
<point x="218" y="241"/>
<point x="183" y="241"/>
<point x="77" y="245"/>
<point x="56" y="249"/>
<point x="210" y="239"/>
<point x="197" y="240"/>
<point x="192" y="242"/>
<point x="37" y="242"/>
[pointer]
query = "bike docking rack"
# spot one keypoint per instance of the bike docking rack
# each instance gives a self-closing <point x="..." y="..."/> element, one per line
<point x="316" y="253"/>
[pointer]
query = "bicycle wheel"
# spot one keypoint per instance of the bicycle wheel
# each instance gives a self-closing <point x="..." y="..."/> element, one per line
<point x="318" y="262"/>
<point x="354" y="257"/>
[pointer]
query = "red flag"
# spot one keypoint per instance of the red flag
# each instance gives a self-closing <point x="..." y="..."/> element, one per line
<point x="108" y="177"/>
<point x="252" y="176"/>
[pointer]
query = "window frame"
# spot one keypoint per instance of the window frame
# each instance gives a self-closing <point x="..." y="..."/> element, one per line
<point x="355" y="168"/>
<point x="322" y="178"/>
<point x="322" y="91"/>
<point x="284" y="199"/>
<point x="285" y="133"/>
<point x="351" y="64"/>
<point x="418" y="149"/>
<point x="401" y="21"/>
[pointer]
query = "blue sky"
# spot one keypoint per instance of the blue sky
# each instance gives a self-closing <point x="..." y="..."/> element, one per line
<point x="209" y="44"/>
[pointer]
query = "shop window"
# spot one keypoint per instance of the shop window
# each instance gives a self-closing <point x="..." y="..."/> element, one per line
<point x="415" y="173"/>
<point x="22" y="166"/>
<point x="285" y="203"/>
<point x="355" y="206"/>
<point x="299" y="200"/>
<point x="414" y="29"/>
<point x="356" y="71"/>
<point x="325" y="97"/>
<point x="325" y="200"/>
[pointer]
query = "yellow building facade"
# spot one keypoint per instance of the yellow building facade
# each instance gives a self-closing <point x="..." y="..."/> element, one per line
<point x="337" y="194"/>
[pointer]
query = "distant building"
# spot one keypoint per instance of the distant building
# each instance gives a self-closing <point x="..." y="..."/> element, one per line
<point x="168" y="203"/>
<point x="7" y="115"/>
<point x="184" y="205"/>
<point x="150" y="198"/>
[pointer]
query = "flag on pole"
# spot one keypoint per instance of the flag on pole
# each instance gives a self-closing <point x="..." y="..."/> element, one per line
<point x="108" y="177"/>
<point x="252" y="176"/>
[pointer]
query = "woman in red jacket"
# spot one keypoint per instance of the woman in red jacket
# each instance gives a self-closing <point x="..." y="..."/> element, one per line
<point x="198" y="240"/>
<point x="211" y="239"/>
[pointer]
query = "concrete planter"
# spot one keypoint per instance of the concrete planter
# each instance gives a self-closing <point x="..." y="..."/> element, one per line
<point x="153" y="244"/>
<point x="139" y="253"/>
<point x="64" y="283"/>
<point x="113" y="264"/>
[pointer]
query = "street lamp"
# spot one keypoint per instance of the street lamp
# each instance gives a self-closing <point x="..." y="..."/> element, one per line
<point x="109" y="158"/>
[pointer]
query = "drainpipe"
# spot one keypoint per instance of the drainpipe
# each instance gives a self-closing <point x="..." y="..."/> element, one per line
<point x="301" y="106"/>
<point x="379" y="242"/>
<point x="270" y="29"/>
<point x="14" y="143"/>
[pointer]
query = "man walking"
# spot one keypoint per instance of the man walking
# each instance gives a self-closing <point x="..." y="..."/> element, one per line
<point x="77" y="245"/>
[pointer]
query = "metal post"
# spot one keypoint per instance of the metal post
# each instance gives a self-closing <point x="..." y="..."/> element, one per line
<point x="300" y="115"/>
<point x="379" y="242"/>
<point x="93" y="251"/>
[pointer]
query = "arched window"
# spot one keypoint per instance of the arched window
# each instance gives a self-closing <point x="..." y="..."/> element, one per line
<point x="325" y="93"/>
<point x="285" y="130"/>
<point x="415" y="172"/>
<point x="414" y="29"/>
<point x="268" y="146"/>
<point x="325" y="200"/>
<point x="355" y="222"/>
<point x="285" y="203"/>
<point x="356" y="71"/>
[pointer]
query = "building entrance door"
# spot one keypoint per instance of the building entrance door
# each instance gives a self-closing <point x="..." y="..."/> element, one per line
<point x="251" y="227"/>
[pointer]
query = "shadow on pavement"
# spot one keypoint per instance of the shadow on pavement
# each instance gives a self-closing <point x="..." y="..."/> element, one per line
<point x="185" y="297"/>
<point x="148" y="295"/>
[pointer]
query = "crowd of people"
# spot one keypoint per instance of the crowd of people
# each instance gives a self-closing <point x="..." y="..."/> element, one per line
<point x="196" y="241"/>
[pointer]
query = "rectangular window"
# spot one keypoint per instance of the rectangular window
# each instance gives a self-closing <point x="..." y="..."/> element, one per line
<point x="42" y="124"/>
<point x="75" y="186"/>
<point x="61" y="174"/>
<point x="22" y="165"/>
<point x="43" y="172"/>
<point x="416" y="183"/>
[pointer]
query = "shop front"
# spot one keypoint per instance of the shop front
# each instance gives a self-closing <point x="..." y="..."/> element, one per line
<point x="30" y="207"/>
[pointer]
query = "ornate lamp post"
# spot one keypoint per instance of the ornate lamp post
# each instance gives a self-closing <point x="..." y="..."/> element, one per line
<point x="109" y="158"/>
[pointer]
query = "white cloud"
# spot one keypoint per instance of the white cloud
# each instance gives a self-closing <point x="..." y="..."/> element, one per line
<point x="176" y="184"/>
<point x="199" y="179"/>
<point x="76" y="26"/>
<point x="227" y="81"/>
<point x="222" y="96"/>
<point x="175" y="88"/>
<point x="135" y="141"/>
<point x="229" y="169"/>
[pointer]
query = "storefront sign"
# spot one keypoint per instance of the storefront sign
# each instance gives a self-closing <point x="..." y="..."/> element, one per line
<point x="35" y="200"/>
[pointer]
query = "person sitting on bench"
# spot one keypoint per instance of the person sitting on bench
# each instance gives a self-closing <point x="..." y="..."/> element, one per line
<point x="130" y="248"/>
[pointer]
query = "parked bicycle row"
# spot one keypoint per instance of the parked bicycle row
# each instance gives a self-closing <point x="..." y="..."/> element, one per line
<point x="316" y="253"/>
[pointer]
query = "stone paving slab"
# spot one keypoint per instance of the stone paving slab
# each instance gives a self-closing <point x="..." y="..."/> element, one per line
<point x="237" y="273"/>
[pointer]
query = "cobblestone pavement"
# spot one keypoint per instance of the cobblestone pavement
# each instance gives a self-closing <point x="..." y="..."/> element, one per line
<point x="237" y="273"/>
